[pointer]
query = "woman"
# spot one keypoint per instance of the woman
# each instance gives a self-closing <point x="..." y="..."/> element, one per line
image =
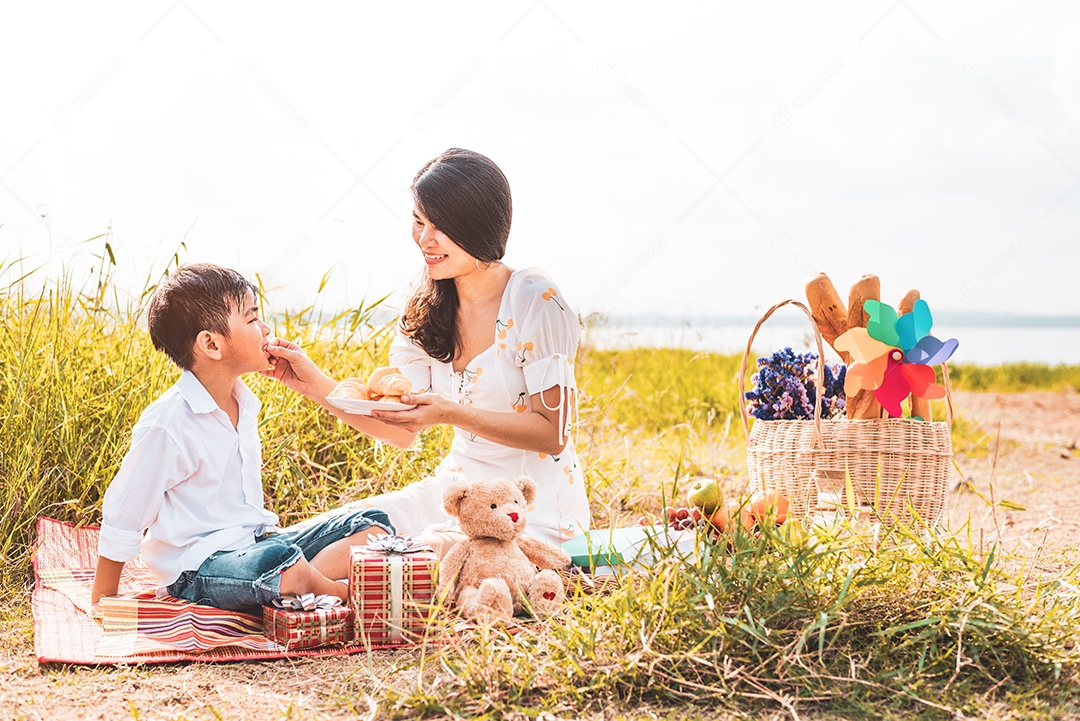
<point x="489" y="350"/>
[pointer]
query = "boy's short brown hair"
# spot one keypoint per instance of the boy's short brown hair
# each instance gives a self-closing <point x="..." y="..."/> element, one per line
<point x="191" y="299"/>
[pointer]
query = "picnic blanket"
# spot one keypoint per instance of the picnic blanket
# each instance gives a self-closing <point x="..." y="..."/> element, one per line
<point x="136" y="627"/>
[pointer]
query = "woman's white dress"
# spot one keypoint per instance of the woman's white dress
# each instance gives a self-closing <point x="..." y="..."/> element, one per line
<point x="534" y="342"/>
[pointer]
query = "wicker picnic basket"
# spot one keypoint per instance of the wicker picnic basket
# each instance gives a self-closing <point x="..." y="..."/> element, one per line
<point x="898" y="467"/>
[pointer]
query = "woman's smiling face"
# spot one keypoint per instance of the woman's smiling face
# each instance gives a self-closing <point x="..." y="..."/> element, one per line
<point x="443" y="257"/>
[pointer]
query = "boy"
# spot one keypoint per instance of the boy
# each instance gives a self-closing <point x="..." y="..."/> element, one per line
<point x="192" y="477"/>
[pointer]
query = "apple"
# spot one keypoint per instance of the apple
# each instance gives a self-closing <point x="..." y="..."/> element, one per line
<point x="705" y="494"/>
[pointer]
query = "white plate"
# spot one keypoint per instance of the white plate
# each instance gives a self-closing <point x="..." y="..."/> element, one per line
<point x="364" y="408"/>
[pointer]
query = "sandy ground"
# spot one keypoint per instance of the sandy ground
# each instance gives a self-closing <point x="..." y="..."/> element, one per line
<point x="1037" y="466"/>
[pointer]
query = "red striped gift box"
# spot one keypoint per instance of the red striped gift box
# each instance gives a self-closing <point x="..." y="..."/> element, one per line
<point x="308" y="629"/>
<point x="391" y="595"/>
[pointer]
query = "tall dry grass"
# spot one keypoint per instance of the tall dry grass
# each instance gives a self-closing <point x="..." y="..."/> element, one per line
<point x="918" y="623"/>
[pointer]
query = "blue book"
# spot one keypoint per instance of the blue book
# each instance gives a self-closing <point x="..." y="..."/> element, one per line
<point x="617" y="546"/>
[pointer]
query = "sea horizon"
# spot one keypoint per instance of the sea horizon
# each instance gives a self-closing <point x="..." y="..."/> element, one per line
<point x="942" y="318"/>
<point x="979" y="344"/>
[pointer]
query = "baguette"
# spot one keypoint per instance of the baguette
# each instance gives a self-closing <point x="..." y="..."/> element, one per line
<point x="863" y="404"/>
<point x="868" y="287"/>
<point x="919" y="406"/>
<point x="907" y="303"/>
<point x="828" y="310"/>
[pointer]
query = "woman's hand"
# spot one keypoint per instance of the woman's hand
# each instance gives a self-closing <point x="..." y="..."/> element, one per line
<point x="431" y="410"/>
<point x="292" y="367"/>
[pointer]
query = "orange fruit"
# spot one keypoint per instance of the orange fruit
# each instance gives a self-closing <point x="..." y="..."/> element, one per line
<point x="747" y="520"/>
<point x="719" y="518"/>
<point x="771" y="505"/>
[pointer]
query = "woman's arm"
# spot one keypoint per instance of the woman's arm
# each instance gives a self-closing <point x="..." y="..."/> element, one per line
<point x="536" y="429"/>
<point x="298" y="372"/>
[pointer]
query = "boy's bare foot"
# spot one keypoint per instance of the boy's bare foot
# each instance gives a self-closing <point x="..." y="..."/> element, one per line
<point x="344" y="592"/>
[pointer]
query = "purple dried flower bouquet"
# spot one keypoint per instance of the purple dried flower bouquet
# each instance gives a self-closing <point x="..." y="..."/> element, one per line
<point x="784" y="388"/>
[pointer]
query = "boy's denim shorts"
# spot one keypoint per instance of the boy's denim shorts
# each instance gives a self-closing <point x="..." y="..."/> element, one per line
<point x="251" y="576"/>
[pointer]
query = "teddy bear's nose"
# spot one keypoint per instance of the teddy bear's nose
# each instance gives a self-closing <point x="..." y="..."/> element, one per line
<point x="513" y="517"/>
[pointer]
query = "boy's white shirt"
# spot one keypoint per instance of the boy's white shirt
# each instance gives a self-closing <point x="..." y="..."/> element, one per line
<point x="191" y="480"/>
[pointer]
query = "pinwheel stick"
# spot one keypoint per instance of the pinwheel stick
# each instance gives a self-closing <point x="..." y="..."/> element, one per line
<point x="919" y="406"/>
<point x="863" y="404"/>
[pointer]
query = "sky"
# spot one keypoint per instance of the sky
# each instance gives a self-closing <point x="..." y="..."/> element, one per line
<point x="699" y="159"/>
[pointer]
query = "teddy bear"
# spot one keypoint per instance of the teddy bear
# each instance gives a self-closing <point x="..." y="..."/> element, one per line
<point x="489" y="575"/>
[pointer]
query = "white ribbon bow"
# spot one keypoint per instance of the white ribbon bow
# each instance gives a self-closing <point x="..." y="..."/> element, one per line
<point x="307" y="602"/>
<point x="393" y="545"/>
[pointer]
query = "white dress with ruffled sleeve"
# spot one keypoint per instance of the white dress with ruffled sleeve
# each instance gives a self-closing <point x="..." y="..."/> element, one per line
<point x="534" y="342"/>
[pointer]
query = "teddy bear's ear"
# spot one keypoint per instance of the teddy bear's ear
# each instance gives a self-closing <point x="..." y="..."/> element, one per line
<point x="453" y="497"/>
<point x="528" y="488"/>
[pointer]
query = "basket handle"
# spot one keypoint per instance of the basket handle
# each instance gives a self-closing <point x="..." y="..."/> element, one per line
<point x="948" y="393"/>
<point x="819" y="382"/>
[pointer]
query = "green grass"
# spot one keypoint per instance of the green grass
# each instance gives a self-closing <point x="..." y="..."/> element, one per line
<point x="916" y="626"/>
<point x="919" y="625"/>
<point x="1015" y="377"/>
<point x="654" y="389"/>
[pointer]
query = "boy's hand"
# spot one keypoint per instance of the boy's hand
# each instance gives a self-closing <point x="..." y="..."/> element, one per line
<point x="292" y="367"/>
<point x="106" y="580"/>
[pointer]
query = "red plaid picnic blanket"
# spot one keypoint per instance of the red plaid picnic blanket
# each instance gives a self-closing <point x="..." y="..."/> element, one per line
<point x="137" y="627"/>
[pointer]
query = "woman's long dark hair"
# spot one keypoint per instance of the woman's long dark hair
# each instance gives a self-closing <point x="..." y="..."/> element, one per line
<point x="466" y="196"/>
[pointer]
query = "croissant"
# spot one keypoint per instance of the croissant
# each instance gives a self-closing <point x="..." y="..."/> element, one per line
<point x="351" y="388"/>
<point x="389" y="381"/>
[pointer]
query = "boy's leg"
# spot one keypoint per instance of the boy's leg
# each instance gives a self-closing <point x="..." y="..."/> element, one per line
<point x="333" y="560"/>
<point x="303" y="577"/>
<point x="326" y="544"/>
<point x="267" y="570"/>
<point x="239" y="579"/>
<point x="286" y="563"/>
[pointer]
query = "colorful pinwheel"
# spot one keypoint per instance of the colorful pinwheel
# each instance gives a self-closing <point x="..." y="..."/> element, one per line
<point x="894" y="357"/>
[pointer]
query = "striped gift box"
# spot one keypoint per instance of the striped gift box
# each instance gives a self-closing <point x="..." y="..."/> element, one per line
<point x="308" y="629"/>
<point x="391" y="595"/>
